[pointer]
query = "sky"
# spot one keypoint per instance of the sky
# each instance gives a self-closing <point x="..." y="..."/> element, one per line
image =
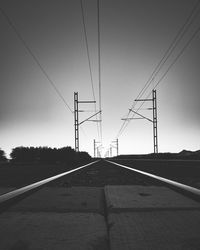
<point x="134" y="35"/>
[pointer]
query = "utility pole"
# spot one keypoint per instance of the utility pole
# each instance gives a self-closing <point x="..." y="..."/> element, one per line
<point x="154" y="121"/>
<point x="95" y="147"/>
<point x="110" y="151"/>
<point x="76" y="118"/>
<point x="116" y="145"/>
<point x="76" y="126"/>
<point x="117" y="142"/>
<point x="98" y="153"/>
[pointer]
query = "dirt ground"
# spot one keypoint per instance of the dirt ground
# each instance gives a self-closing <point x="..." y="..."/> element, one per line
<point x="18" y="175"/>
<point x="185" y="171"/>
<point x="102" y="173"/>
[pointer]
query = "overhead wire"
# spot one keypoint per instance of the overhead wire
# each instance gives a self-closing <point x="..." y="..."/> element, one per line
<point x="178" y="56"/>
<point x="89" y="60"/>
<point x="87" y="48"/>
<point x="182" y="31"/>
<point x="25" y="44"/>
<point x="99" y="66"/>
<point x="167" y="54"/>
<point x="172" y="64"/>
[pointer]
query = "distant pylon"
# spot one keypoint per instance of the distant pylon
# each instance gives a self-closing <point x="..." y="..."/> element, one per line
<point x="76" y="118"/>
<point x="154" y="120"/>
<point x="95" y="147"/>
<point x="76" y="125"/>
<point x="111" y="151"/>
<point x="116" y="145"/>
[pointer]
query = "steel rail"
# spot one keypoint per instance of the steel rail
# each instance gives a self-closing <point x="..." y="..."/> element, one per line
<point x="18" y="192"/>
<point x="189" y="189"/>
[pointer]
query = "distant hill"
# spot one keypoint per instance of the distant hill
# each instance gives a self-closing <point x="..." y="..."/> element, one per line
<point x="189" y="153"/>
<point x="184" y="154"/>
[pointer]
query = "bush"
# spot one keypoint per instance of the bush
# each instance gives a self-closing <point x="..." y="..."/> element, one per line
<point x="47" y="155"/>
<point x="2" y="156"/>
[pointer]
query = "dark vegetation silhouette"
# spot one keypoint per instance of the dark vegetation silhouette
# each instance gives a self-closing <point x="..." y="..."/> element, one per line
<point x="183" y="155"/>
<point x="2" y="156"/>
<point x="31" y="164"/>
<point x="47" y="155"/>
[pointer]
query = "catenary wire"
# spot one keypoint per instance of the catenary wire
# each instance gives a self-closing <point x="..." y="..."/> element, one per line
<point x="87" y="47"/>
<point x="166" y="55"/>
<point x="170" y="66"/>
<point x="173" y="63"/>
<point x="99" y="66"/>
<point x="25" y="44"/>
<point x="89" y="60"/>
<point x="182" y="31"/>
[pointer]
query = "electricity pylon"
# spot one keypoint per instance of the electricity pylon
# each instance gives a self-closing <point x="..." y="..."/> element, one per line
<point x="76" y="118"/>
<point x="116" y="145"/>
<point x="95" y="147"/>
<point x="154" y="120"/>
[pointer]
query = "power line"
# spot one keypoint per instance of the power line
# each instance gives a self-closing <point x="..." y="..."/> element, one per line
<point x="87" y="47"/>
<point x="171" y="48"/>
<point x="182" y="31"/>
<point x="99" y="65"/>
<point x="170" y="66"/>
<point x="174" y="61"/>
<point x="89" y="60"/>
<point x="18" y="34"/>
<point x="179" y="55"/>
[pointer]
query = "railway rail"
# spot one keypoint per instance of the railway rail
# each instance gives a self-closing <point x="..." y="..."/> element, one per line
<point x="12" y="197"/>
<point x="101" y="205"/>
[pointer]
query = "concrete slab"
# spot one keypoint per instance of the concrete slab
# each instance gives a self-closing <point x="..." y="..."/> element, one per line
<point x="52" y="231"/>
<point x="133" y="198"/>
<point x="166" y="230"/>
<point x="73" y="199"/>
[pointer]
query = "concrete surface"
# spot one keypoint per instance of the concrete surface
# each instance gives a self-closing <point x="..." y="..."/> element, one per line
<point x="155" y="230"/>
<point x="137" y="217"/>
<point x="52" y="231"/>
<point x="62" y="199"/>
<point x="132" y="198"/>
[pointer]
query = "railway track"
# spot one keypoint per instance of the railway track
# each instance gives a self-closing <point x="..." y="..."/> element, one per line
<point x="99" y="173"/>
<point x="101" y="205"/>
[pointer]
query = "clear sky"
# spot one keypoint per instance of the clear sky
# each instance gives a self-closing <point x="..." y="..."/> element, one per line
<point x="134" y="36"/>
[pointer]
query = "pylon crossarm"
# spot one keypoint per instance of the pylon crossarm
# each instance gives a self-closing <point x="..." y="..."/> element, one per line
<point x="143" y="100"/>
<point x="86" y="101"/>
<point x="146" y="108"/>
<point x="131" y="118"/>
<point x="143" y="117"/>
<point x="89" y="117"/>
<point x="94" y="120"/>
<point x="85" y="110"/>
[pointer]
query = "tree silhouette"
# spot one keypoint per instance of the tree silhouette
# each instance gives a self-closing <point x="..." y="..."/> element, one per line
<point x="47" y="155"/>
<point x="2" y="156"/>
